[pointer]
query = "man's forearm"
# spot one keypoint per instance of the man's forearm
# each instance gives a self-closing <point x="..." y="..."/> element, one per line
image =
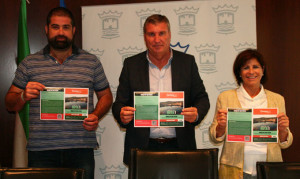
<point x="14" y="101"/>
<point x="103" y="105"/>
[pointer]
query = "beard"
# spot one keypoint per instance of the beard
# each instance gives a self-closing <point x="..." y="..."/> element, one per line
<point x="60" y="44"/>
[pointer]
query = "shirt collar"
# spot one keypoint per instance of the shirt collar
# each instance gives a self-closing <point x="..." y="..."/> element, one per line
<point x="169" y="61"/>
<point x="244" y="93"/>
<point x="46" y="50"/>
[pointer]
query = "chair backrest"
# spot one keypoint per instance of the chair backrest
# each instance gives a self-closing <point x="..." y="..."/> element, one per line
<point x="191" y="164"/>
<point x="277" y="170"/>
<point x="42" y="173"/>
<point x="1" y="172"/>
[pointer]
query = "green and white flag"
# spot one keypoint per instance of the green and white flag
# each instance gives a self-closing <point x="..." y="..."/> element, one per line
<point x="22" y="118"/>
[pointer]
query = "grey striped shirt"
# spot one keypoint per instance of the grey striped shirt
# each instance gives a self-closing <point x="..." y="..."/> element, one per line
<point x="80" y="70"/>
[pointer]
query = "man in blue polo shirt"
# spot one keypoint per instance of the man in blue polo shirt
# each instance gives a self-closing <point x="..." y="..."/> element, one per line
<point x="60" y="64"/>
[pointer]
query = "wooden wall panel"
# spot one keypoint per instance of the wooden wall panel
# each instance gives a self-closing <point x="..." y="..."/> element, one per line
<point x="278" y="38"/>
<point x="8" y="43"/>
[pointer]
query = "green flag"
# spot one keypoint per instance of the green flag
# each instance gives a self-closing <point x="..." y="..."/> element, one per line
<point x="23" y="51"/>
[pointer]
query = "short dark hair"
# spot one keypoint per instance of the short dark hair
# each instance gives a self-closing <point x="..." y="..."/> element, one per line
<point x="156" y="18"/>
<point x="242" y="59"/>
<point x="60" y="11"/>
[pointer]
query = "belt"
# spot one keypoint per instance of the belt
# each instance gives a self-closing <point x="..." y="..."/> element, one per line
<point x="162" y="140"/>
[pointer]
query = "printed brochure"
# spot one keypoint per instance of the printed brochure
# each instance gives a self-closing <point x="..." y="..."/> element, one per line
<point x="158" y="109"/>
<point x="252" y="125"/>
<point x="65" y="104"/>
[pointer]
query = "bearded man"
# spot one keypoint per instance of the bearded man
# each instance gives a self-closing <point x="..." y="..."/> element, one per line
<point x="60" y="64"/>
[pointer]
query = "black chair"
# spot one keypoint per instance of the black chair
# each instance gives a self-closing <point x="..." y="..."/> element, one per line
<point x="42" y="173"/>
<point x="191" y="164"/>
<point x="1" y="172"/>
<point x="277" y="170"/>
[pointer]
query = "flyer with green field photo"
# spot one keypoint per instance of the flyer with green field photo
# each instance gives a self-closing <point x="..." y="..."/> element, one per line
<point x="65" y="104"/>
<point x="158" y="109"/>
<point x="252" y="125"/>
